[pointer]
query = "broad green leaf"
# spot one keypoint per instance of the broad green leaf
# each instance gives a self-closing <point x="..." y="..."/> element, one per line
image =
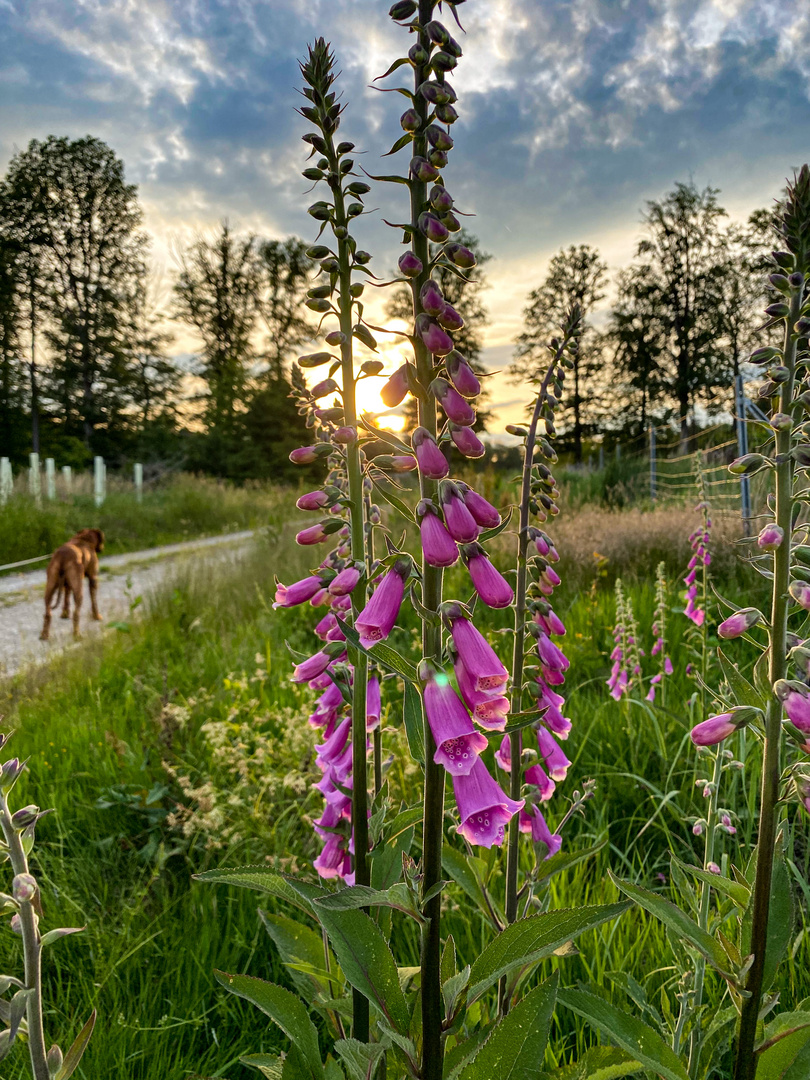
<point x="333" y="1070"/>
<point x="284" y="1009"/>
<point x="634" y="1036"/>
<point x="269" y="1065"/>
<point x="788" y="1035"/>
<point x="56" y="935"/>
<point x="462" y="1053"/>
<point x="598" y="1063"/>
<point x="448" y="963"/>
<point x="453" y="987"/>
<point x="301" y="947"/>
<point x="367" y="962"/>
<point x="744" y="692"/>
<point x="361" y="896"/>
<point x="738" y="893"/>
<point x="678" y="922"/>
<point x="412" y="717"/>
<point x="386" y="865"/>
<point x="490" y="534"/>
<point x="781" y="921"/>
<point x="457" y="866"/>
<point x="564" y="860"/>
<point x="516" y="1048"/>
<point x="267" y="881"/>
<point x="529" y="940"/>
<point x="360" y="1059"/>
<point x="75" y="1053"/>
<point x="403" y="821"/>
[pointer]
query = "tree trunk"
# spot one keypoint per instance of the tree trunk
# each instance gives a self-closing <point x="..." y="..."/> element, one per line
<point x="32" y="367"/>
<point x="577" y="416"/>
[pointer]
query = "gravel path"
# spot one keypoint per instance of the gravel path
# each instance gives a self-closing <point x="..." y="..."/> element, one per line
<point x="123" y="577"/>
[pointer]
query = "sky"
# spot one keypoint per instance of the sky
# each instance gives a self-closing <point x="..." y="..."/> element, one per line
<point x="572" y="114"/>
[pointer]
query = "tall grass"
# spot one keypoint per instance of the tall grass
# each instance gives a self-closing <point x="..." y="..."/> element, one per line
<point x="179" y="509"/>
<point x="93" y="727"/>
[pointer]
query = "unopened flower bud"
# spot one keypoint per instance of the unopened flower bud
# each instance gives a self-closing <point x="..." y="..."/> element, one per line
<point x="437" y="32"/>
<point x="437" y="158"/>
<point x="460" y="256"/>
<point x="326" y="386"/>
<point x="739" y="623"/>
<point x="345" y="436"/>
<point x="800" y="592"/>
<point x="311" y="360"/>
<point x="437" y="341"/>
<point x="446" y="114"/>
<point x="54" y="1059"/>
<point x="440" y="199"/>
<point x="334" y="338"/>
<point x="421" y="169"/>
<point x="9" y="771"/>
<point x="409" y="121"/>
<point x="431" y="299"/>
<point x="431" y="227"/>
<point x="402" y="9"/>
<point x="443" y="61"/>
<point x="747" y="464"/>
<point x="781" y="422"/>
<point x="304" y="455"/>
<point x="450" y="319"/>
<point x="439" y="138"/>
<point x="771" y="537"/>
<point x="778" y="310"/>
<point x="409" y="264"/>
<point x="24" y="887"/>
<point x="436" y="93"/>
<point x="25" y="817"/>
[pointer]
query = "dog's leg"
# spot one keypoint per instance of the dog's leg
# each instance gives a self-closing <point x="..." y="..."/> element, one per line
<point x="94" y="598"/>
<point x="66" y="603"/>
<point x="77" y="607"/>
<point x="46" y="626"/>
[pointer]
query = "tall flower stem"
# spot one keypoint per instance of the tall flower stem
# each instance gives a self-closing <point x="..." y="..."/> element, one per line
<point x="433" y="808"/>
<point x="519" y="644"/>
<point x="746" y="1062"/>
<point x="32" y="950"/>
<point x="703" y="913"/>
<point x="358" y="659"/>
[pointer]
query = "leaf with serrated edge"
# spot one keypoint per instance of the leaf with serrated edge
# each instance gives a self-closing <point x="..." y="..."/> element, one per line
<point x="516" y="1048"/>
<point x="285" y="1010"/>
<point x="264" y="880"/>
<point x="412" y="718"/>
<point x="598" y="1063"/>
<point x="367" y="962"/>
<point x="738" y="893"/>
<point x="631" y="1034"/>
<point x="678" y="922"/>
<point x="529" y="940"/>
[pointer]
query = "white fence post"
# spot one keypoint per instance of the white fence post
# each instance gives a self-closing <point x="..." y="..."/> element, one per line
<point x="138" y="471"/>
<point x="99" y="481"/>
<point x="50" y="478"/>
<point x="6" y="481"/>
<point x="34" y="478"/>
<point x="67" y="479"/>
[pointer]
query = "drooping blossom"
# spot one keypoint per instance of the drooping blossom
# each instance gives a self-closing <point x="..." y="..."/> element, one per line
<point x="376" y="620"/>
<point x="476" y="654"/>
<point x="489" y="707"/>
<point x="431" y="461"/>
<point x="771" y="537"/>
<point x="533" y="821"/>
<point x="458" y="744"/>
<point x="438" y="545"/>
<point x="460" y="523"/>
<point x="466" y="441"/>
<point x="556" y="763"/>
<point x="713" y="730"/>
<point x="795" y="698"/>
<point x="344" y="582"/>
<point x="373" y="703"/>
<point x="537" y="776"/>
<point x="491" y="586"/>
<point x="483" y="806"/>
<point x="297" y="593"/>
<point x="483" y="511"/>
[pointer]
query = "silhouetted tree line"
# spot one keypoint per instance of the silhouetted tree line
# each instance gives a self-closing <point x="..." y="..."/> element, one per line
<point x="84" y="338"/>
<point x="85" y="334"/>
<point x="680" y="324"/>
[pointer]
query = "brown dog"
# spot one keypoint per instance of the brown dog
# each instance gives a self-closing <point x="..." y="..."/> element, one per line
<point x="69" y="565"/>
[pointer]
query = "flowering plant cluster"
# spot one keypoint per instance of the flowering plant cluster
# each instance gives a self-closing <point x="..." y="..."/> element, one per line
<point x="24" y="1012"/>
<point x="466" y="713"/>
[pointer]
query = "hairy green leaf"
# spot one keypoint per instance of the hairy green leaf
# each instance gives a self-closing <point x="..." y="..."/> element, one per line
<point x="367" y="962"/>
<point x="529" y="940"/>
<point x="634" y="1036"/>
<point x="360" y="1059"/>
<point x="284" y="1009"/>
<point x="75" y="1053"/>
<point x="678" y="922"/>
<point x="516" y="1048"/>
<point x="412" y="717"/>
<point x="738" y="893"/>
<point x="301" y="947"/>
<point x="262" y="879"/>
<point x="598" y="1063"/>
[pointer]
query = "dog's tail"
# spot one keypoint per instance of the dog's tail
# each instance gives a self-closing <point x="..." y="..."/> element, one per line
<point x="56" y="599"/>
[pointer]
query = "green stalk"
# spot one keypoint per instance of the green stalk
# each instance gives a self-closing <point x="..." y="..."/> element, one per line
<point x="32" y="951"/>
<point x="746" y="1063"/>
<point x="369" y="563"/>
<point x="433" y="807"/>
<point x="357" y="658"/>
<point x="696" y="1038"/>
<point x="516" y="696"/>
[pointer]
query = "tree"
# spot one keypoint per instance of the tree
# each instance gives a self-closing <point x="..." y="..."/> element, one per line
<point x="68" y="205"/>
<point x="576" y="275"/>
<point x="217" y="292"/>
<point x="637" y="335"/>
<point x="12" y="376"/>
<point x="463" y="290"/>
<point x="682" y="255"/>
<point x="154" y="379"/>
<point x="286" y="272"/>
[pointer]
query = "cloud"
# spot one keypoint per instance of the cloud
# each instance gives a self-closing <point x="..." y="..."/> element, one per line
<point x="573" y="112"/>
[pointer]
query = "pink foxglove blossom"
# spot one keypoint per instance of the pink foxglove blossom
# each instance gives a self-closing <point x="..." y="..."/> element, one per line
<point x="483" y="806"/>
<point x="376" y="621"/>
